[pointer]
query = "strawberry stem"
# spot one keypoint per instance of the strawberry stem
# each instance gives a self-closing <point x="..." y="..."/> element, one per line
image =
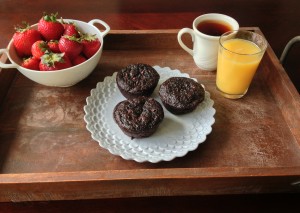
<point x="72" y="38"/>
<point x="22" y="29"/>
<point x="88" y="37"/>
<point x="49" y="59"/>
<point x="51" y="17"/>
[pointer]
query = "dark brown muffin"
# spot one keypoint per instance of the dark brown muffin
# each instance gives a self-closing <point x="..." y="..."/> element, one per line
<point x="181" y="95"/>
<point x="138" y="117"/>
<point x="137" y="80"/>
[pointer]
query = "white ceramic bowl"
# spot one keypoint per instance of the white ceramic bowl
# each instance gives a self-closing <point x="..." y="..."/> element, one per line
<point x="65" y="77"/>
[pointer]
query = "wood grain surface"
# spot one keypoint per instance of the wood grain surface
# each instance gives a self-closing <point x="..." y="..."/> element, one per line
<point x="47" y="153"/>
<point x="279" y="20"/>
<point x="276" y="203"/>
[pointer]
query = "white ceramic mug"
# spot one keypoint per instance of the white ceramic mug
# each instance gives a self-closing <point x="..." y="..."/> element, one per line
<point x="205" y="47"/>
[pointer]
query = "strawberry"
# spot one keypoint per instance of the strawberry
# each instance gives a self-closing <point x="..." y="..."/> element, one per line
<point x="50" y="28"/>
<point x="71" y="30"/>
<point x="53" y="46"/>
<point x="91" y="45"/>
<point x="78" y="60"/>
<point x="70" y="45"/>
<point x="24" y="38"/>
<point x="54" y="61"/>
<point x="39" y="48"/>
<point x="31" y="63"/>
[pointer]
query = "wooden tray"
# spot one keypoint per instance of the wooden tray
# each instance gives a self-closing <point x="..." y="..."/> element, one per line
<point x="46" y="153"/>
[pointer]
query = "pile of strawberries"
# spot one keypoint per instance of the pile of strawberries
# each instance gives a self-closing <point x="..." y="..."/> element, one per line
<point x="54" y="45"/>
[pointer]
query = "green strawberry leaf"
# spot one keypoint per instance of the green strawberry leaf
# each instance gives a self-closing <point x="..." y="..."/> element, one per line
<point x="50" y="58"/>
<point x="88" y="37"/>
<point x="22" y="29"/>
<point x="51" y="17"/>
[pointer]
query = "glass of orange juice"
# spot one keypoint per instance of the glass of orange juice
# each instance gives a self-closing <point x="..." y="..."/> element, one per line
<point x="240" y="53"/>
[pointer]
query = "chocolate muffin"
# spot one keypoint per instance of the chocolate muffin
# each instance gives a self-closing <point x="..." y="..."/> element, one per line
<point x="137" y="80"/>
<point x="181" y="95"/>
<point x="138" y="117"/>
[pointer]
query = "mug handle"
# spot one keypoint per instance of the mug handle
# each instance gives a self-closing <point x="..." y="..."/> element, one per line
<point x="6" y="66"/>
<point x="180" y="33"/>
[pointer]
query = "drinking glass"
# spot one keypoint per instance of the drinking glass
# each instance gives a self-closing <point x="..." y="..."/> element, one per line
<point x="239" y="55"/>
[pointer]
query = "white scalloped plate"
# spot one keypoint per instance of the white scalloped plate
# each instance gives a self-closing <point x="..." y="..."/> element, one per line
<point x="175" y="137"/>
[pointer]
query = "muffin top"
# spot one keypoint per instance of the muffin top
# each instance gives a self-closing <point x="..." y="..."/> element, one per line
<point x="138" y="114"/>
<point x="181" y="92"/>
<point x="137" y="77"/>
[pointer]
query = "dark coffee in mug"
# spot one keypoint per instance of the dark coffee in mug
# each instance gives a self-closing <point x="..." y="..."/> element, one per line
<point x="206" y="43"/>
<point x="213" y="28"/>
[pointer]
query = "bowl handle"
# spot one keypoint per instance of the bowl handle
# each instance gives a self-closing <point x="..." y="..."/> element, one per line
<point x="98" y="21"/>
<point x="6" y="66"/>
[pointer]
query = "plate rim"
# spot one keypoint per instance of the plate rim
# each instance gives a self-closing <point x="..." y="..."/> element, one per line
<point x="137" y="158"/>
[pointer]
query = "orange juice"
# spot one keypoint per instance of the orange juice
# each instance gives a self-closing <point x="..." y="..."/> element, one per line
<point x="238" y="60"/>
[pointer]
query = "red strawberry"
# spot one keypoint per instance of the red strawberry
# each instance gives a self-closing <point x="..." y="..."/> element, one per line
<point x="50" y="28"/>
<point x="54" y="61"/>
<point x="53" y="46"/>
<point x="70" y="45"/>
<point x="39" y="48"/>
<point x="24" y="38"/>
<point x="91" y="45"/>
<point x="71" y="30"/>
<point x="31" y="63"/>
<point x="78" y="60"/>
